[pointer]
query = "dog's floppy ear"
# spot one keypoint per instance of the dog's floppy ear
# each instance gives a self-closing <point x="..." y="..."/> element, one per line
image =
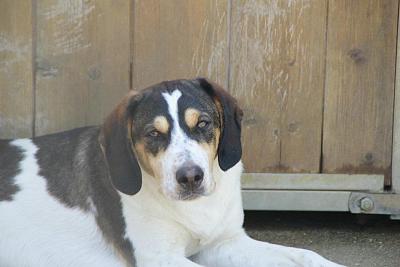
<point x="116" y="142"/>
<point x="230" y="146"/>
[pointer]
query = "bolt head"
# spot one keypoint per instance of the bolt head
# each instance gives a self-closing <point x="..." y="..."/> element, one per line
<point x="366" y="204"/>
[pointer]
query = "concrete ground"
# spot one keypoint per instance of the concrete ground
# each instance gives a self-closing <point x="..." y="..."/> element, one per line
<point x="352" y="240"/>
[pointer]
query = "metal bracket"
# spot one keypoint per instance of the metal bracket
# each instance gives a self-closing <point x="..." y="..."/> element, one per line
<point x="388" y="204"/>
<point x="395" y="217"/>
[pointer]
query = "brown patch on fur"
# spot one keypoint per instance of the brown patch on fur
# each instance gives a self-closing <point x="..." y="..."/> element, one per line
<point x="191" y="117"/>
<point x="211" y="150"/>
<point x="212" y="147"/>
<point x="220" y="111"/>
<point x="154" y="162"/>
<point x="161" y="124"/>
<point x="217" y="132"/>
<point x="151" y="164"/>
<point x="143" y="157"/>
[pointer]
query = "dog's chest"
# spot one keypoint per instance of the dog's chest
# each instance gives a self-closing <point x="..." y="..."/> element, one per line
<point x="186" y="228"/>
<point x="161" y="224"/>
<point x="203" y="220"/>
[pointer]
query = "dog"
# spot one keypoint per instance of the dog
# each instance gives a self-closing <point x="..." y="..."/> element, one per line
<point x="158" y="184"/>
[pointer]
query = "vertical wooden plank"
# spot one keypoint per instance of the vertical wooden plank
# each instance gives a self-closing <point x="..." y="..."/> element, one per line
<point x="277" y="73"/>
<point x="179" y="39"/>
<point x="83" y="61"/>
<point x="16" y="75"/>
<point x="396" y="120"/>
<point x="361" y="55"/>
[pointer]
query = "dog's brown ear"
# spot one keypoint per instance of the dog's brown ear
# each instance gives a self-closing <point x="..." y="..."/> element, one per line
<point x="116" y="142"/>
<point x="230" y="146"/>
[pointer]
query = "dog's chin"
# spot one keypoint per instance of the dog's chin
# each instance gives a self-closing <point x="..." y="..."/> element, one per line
<point x="188" y="195"/>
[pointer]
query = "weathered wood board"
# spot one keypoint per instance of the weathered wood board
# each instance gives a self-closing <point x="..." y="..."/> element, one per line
<point x="82" y="61"/>
<point x="16" y="74"/>
<point x="277" y="73"/>
<point x="179" y="39"/>
<point x="395" y="181"/>
<point x="360" y="74"/>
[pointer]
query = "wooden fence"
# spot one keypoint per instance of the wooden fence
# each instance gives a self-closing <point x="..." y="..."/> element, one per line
<point x="314" y="77"/>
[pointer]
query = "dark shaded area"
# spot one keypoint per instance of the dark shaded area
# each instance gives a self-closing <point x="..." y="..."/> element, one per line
<point x="10" y="157"/>
<point x="353" y="240"/>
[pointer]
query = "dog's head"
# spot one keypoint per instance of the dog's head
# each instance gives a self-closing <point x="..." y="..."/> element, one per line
<point x="174" y="131"/>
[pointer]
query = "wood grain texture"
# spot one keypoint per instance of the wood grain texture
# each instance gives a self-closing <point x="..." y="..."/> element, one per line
<point x="395" y="181"/>
<point x="16" y="75"/>
<point x="82" y="61"/>
<point x="360" y="71"/>
<point x="313" y="181"/>
<point x="179" y="39"/>
<point x="277" y="73"/>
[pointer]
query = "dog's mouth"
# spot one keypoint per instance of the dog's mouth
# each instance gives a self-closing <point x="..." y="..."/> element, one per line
<point x="193" y="194"/>
<point x="187" y="195"/>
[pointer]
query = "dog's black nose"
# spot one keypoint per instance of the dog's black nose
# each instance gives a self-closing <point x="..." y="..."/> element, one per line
<point x="190" y="177"/>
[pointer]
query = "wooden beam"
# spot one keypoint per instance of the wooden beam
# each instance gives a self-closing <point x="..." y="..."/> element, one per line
<point x="307" y="181"/>
<point x="295" y="200"/>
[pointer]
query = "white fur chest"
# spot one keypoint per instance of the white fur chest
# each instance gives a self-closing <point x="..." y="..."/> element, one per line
<point x="155" y="223"/>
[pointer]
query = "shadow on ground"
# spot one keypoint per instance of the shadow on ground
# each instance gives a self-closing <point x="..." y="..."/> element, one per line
<point x="353" y="240"/>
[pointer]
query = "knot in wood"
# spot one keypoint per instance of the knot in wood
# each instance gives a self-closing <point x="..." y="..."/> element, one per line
<point x="357" y="55"/>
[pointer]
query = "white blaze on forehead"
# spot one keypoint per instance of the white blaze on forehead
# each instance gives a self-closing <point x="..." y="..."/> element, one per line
<point x="181" y="149"/>
<point x="172" y="101"/>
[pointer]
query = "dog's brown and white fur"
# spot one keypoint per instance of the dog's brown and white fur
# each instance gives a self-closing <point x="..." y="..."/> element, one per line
<point x="157" y="185"/>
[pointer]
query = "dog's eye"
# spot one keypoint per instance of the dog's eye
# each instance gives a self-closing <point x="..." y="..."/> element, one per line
<point x="202" y="123"/>
<point x="153" y="133"/>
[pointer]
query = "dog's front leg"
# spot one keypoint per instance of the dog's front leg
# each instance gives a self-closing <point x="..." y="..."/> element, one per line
<point x="163" y="260"/>
<point x="241" y="251"/>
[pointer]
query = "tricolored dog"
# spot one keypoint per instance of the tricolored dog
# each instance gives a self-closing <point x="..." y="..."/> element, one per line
<point x="158" y="184"/>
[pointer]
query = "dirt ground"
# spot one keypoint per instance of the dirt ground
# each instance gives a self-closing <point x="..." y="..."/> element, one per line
<point x="352" y="240"/>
